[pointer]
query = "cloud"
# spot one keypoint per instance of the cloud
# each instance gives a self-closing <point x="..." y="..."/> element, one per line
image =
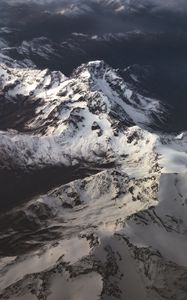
<point x="96" y="16"/>
<point x="118" y="6"/>
<point x="174" y="5"/>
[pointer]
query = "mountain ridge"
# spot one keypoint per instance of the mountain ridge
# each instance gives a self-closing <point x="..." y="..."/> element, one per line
<point x="112" y="194"/>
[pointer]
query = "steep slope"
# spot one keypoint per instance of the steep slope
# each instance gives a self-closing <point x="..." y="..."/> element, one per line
<point x="66" y="124"/>
<point x="102" y="222"/>
<point x="78" y="122"/>
<point x="107" y="229"/>
<point x="94" y="86"/>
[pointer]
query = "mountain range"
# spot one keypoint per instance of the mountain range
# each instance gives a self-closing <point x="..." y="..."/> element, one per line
<point x="93" y="162"/>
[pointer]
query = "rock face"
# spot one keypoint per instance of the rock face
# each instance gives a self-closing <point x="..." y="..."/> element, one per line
<point x="111" y="224"/>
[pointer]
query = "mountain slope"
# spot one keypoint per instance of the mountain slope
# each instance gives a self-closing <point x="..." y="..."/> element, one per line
<point x="101" y="223"/>
<point x="85" y="119"/>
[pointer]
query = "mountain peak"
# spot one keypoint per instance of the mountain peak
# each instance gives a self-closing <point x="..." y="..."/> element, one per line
<point x="91" y="69"/>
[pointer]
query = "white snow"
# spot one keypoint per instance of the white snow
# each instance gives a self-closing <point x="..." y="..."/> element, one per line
<point x="166" y="232"/>
<point x="83" y="287"/>
<point x="71" y="250"/>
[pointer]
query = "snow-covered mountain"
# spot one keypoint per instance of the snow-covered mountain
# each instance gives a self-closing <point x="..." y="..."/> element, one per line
<point x="91" y="118"/>
<point x="93" y="153"/>
<point x="113" y="225"/>
<point x="88" y="113"/>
